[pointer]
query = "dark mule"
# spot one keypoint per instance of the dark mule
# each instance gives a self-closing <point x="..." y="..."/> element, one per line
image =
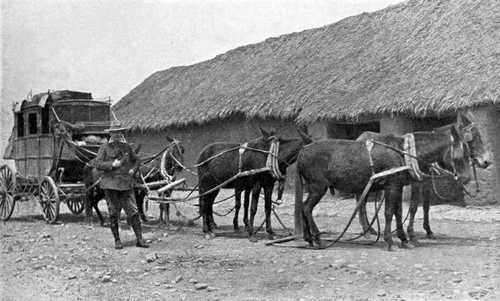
<point x="218" y="162"/>
<point x="345" y="165"/>
<point x="152" y="171"/>
<point x="422" y="191"/>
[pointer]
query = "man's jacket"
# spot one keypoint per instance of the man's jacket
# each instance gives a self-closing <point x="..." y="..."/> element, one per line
<point x="117" y="178"/>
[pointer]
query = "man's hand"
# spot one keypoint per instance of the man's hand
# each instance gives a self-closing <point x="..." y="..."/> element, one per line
<point x="131" y="171"/>
<point x="116" y="163"/>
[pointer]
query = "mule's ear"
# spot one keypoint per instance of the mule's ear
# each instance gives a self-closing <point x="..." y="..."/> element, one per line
<point x="304" y="135"/>
<point x="170" y="139"/>
<point x="138" y="149"/>
<point x="464" y="118"/>
<point x="468" y="117"/>
<point x="455" y="135"/>
<point x="264" y="133"/>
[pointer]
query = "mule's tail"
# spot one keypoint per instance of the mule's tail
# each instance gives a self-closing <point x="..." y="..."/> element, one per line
<point x="299" y="196"/>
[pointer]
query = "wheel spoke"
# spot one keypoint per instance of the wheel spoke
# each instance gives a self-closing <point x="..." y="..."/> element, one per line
<point x="2" y="207"/>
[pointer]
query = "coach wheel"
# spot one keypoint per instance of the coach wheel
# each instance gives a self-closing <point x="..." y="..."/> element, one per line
<point x="49" y="200"/>
<point x="75" y="205"/>
<point x="7" y="190"/>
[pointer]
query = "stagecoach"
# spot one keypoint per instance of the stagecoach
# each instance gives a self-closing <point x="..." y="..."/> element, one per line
<point x="54" y="135"/>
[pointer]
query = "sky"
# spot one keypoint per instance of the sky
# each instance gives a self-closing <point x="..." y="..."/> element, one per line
<point x="110" y="47"/>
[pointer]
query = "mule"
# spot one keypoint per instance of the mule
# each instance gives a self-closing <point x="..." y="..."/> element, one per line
<point x="346" y="166"/>
<point x="422" y="191"/>
<point x="218" y="162"/>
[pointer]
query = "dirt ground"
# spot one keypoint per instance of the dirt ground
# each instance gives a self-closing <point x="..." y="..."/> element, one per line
<point x="76" y="261"/>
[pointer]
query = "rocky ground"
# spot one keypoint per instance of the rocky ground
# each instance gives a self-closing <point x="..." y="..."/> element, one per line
<point x="75" y="261"/>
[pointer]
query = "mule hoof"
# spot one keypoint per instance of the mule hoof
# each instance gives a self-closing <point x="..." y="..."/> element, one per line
<point x="406" y="245"/>
<point x="390" y="248"/>
<point x="366" y="235"/>
<point x="270" y="236"/>
<point x="414" y="242"/>
<point x="236" y="229"/>
<point x="209" y="236"/>
<point x="430" y="236"/>
<point x="253" y="239"/>
<point x="105" y="225"/>
<point x="317" y="244"/>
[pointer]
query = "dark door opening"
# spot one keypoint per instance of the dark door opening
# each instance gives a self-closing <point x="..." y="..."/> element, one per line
<point x="351" y="131"/>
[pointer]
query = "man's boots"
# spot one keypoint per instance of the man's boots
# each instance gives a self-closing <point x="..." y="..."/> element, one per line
<point x="135" y="222"/>
<point x="114" y="229"/>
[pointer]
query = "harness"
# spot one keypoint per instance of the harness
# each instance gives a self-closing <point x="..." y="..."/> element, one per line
<point x="410" y="157"/>
<point x="411" y="162"/>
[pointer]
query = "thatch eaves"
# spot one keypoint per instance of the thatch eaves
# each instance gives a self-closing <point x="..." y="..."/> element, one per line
<point x="417" y="58"/>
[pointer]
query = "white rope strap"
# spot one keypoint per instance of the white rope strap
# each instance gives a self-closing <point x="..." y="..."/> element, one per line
<point x="242" y="149"/>
<point x="272" y="159"/>
<point x="163" y="171"/>
<point x="410" y="157"/>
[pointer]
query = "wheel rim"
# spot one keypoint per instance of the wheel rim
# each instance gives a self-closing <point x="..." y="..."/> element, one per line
<point x="49" y="200"/>
<point x="7" y="189"/>
<point x="75" y="205"/>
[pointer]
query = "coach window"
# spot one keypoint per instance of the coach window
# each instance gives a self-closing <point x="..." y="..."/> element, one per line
<point x="20" y="124"/>
<point x="32" y="124"/>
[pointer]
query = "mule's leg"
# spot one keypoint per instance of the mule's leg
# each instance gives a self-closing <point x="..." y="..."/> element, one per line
<point x="161" y="207"/>
<point x="398" y="213"/>
<point x="237" y="206"/>
<point x="426" y="206"/>
<point x="99" y="215"/>
<point x="416" y="196"/>
<point x="253" y="211"/>
<point x="95" y="204"/>
<point x="388" y="213"/>
<point x="316" y="192"/>
<point x="205" y="204"/>
<point x="167" y="214"/>
<point x="139" y="199"/>
<point x="268" y="202"/>
<point x="306" y="230"/>
<point x="246" y="203"/>
<point x="213" y="225"/>
<point x="363" y="216"/>
<point x="87" y="205"/>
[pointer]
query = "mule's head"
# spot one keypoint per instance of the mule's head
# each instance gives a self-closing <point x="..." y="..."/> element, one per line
<point x="173" y="157"/>
<point x="469" y="132"/>
<point x="289" y="147"/>
<point x="457" y="157"/>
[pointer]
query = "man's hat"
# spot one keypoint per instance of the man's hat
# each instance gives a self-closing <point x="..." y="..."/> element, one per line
<point x="116" y="126"/>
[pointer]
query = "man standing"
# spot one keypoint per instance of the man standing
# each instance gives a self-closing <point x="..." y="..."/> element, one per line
<point x="117" y="162"/>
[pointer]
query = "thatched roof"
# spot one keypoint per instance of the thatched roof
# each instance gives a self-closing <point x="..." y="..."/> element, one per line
<point x="416" y="58"/>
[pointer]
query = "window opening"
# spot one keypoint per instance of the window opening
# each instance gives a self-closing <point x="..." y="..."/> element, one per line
<point x="32" y="124"/>
<point x="45" y="120"/>
<point x="20" y="124"/>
